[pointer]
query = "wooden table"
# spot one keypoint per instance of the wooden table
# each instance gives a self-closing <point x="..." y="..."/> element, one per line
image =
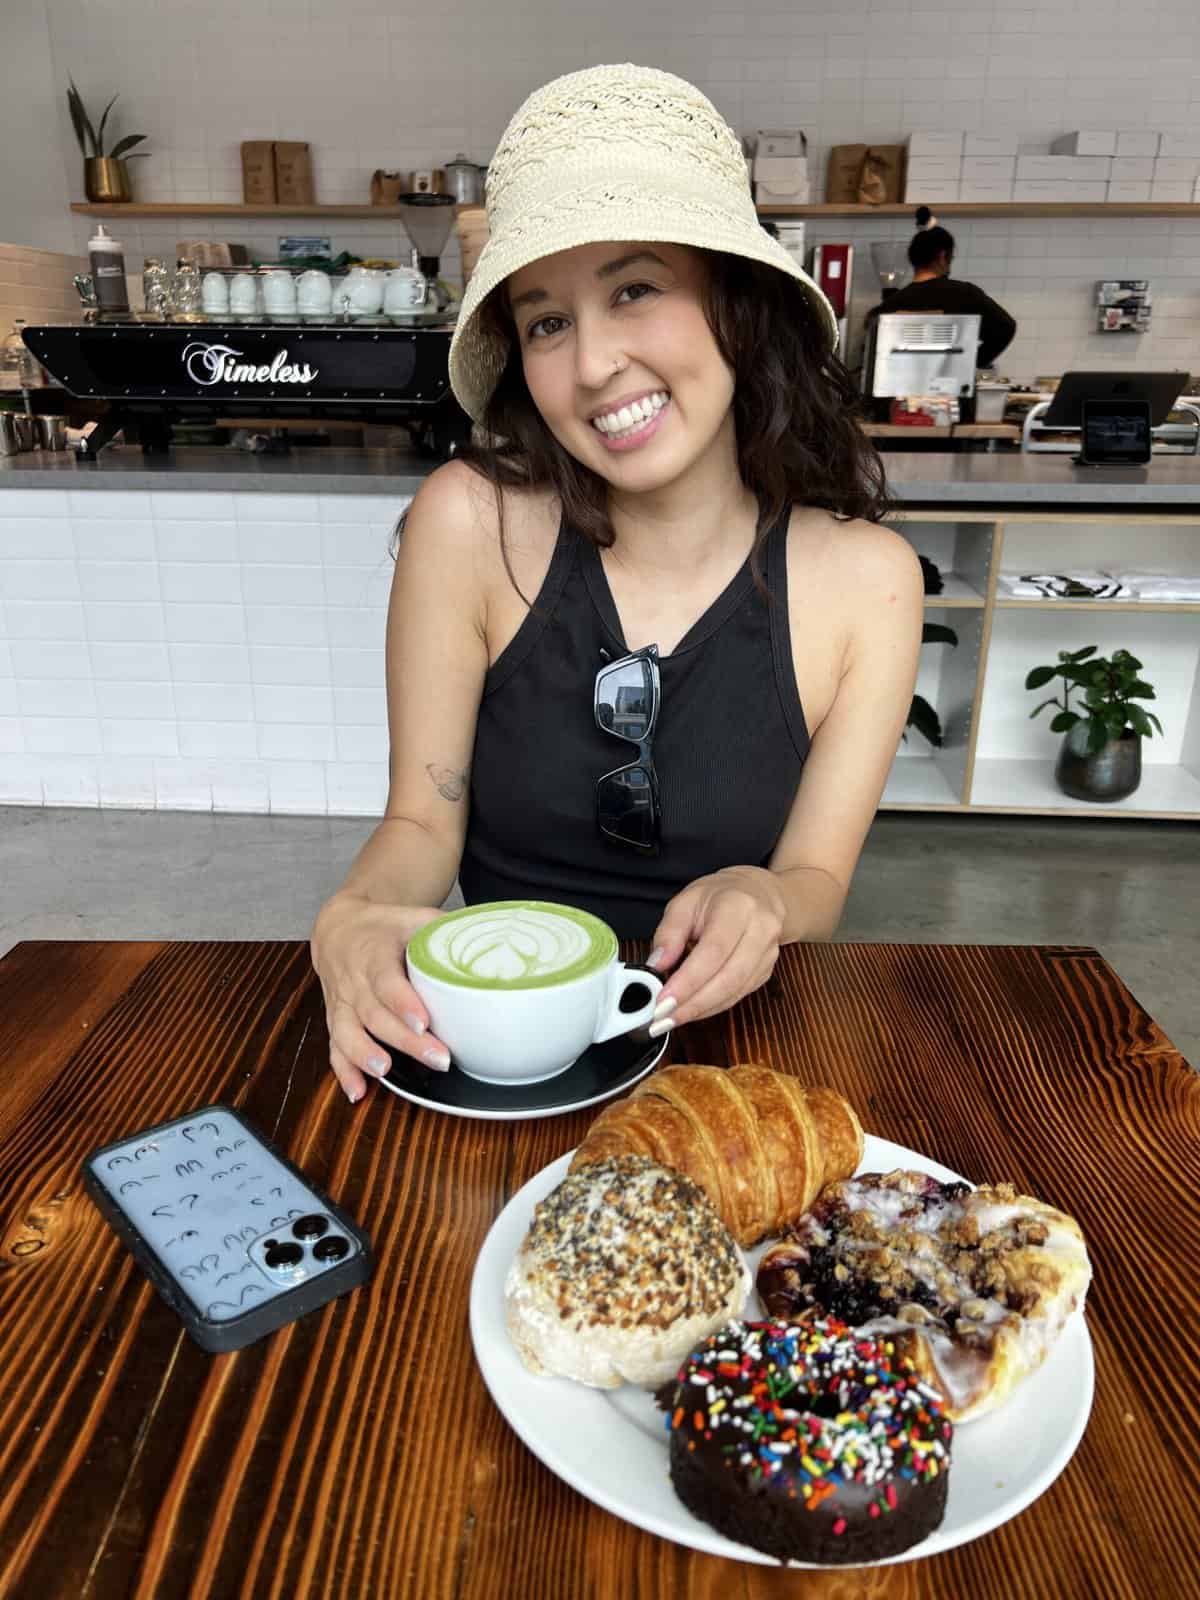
<point x="357" y="1453"/>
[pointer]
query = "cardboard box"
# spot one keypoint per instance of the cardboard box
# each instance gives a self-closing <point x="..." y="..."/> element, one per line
<point x="1085" y="144"/>
<point x="1176" y="169"/>
<point x="1172" y="192"/>
<point x="975" y="193"/>
<point x="934" y="169"/>
<point x="1064" y="169"/>
<point x="258" y="172"/>
<point x="293" y="174"/>
<point x="780" y="142"/>
<point x="1138" y="144"/>
<point x="1132" y="169"/>
<point x="1130" y="191"/>
<point x="935" y="144"/>
<point x="991" y="144"/>
<point x="781" y="180"/>
<point x="1180" y="144"/>
<point x="862" y="174"/>
<point x="1052" y="190"/>
<point x="989" y="169"/>
<point x="932" y="194"/>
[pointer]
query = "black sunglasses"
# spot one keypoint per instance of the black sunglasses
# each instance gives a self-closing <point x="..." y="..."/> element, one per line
<point x="626" y="700"/>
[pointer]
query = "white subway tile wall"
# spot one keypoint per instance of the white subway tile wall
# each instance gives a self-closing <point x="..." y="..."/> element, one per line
<point x="389" y="84"/>
<point x="153" y="656"/>
<point x="36" y="284"/>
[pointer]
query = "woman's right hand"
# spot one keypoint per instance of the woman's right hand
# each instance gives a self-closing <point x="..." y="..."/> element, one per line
<point x="358" y="953"/>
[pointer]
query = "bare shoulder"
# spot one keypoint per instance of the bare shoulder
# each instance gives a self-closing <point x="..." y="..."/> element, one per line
<point x="458" y="509"/>
<point x="854" y="559"/>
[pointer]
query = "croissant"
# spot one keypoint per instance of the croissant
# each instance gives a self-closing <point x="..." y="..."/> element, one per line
<point x="759" y="1143"/>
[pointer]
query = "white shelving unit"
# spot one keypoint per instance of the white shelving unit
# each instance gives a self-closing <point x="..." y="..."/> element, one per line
<point x="994" y="758"/>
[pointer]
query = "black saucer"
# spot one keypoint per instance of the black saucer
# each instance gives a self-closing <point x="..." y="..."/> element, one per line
<point x="601" y="1071"/>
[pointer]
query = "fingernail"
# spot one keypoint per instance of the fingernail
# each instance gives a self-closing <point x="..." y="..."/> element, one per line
<point x="665" y="1007"/>
<point x="414" y="1022"/>
<point x="378" y="1065"/>
<point x="657" y="1029"/>
<point x="655" y="957"/>
<point x="438" y="1059"/>
<point x="354" y="1096"/>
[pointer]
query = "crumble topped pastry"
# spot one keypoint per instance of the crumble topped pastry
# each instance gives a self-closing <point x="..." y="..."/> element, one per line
<point x="973" y="1285"/>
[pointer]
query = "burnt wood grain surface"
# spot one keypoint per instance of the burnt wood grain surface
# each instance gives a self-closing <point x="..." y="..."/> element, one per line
<point x="356" y="1453"/>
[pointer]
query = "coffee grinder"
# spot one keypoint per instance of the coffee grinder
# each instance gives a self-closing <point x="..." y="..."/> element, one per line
<point x="427" y="219"/>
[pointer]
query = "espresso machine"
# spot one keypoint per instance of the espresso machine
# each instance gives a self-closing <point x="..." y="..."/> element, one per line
<point x="920" y="353"/>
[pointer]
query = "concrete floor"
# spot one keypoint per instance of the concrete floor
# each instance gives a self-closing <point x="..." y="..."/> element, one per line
<point x="1131" y="889"/>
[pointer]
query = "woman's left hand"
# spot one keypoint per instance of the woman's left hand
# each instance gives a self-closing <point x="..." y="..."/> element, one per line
<point x="731" y="921"/>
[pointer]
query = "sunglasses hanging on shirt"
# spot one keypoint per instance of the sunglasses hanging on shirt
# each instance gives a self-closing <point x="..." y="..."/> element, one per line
<point x="626" y="700"/>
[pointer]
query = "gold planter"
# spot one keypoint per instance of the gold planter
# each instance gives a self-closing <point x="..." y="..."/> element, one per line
<point x="105" y="179"/>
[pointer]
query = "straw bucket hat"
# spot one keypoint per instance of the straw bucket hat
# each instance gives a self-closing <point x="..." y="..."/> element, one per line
<point x="613" y="153"/>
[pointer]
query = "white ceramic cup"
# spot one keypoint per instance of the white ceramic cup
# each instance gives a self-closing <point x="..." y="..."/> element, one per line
<point x="243" y="294"/>
<point x="405" y="291"/>
<point x="506" y="1014"/>
<point x="364" y="285"/>
<point x="279" y="294"/>
<point x="214" y="294"/>
<point x="314" y="294"/>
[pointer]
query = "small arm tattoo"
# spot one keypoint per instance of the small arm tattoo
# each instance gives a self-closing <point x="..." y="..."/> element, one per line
<point x="449" y="784"/>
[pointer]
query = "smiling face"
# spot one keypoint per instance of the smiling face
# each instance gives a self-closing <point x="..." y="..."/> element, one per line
<point x="620" y="360"/>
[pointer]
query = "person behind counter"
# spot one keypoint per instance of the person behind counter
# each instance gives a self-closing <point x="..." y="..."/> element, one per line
<point x="931" y="253"/>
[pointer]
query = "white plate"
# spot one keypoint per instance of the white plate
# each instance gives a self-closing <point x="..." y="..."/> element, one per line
<point x="611" y="1445"/>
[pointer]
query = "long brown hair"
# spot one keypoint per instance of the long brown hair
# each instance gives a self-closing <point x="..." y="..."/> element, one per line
<point x="795" y="410"/>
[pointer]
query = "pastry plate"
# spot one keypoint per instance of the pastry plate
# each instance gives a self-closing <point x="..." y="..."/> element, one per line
<point x="611" y="1444"/>
<point x="600" y="1072"/>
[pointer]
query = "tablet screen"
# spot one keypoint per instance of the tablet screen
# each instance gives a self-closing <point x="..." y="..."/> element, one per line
<point x="1116" y="430"/>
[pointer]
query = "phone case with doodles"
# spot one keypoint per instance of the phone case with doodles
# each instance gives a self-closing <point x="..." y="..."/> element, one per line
<point x="235" y="1238"/>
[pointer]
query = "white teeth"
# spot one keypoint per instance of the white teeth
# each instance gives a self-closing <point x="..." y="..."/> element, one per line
<point x="631" y="416"/>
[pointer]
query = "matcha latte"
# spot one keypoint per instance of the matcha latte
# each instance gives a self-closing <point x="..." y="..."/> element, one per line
<point x="513" y="944"/>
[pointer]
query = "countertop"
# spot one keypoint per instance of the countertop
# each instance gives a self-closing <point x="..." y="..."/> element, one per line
<point x="924" y="478"/>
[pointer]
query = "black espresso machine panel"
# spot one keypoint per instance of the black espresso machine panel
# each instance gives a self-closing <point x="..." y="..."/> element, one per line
<point x="153" y="374"/>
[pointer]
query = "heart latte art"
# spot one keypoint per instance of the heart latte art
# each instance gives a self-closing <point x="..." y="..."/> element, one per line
<point x="513" y="944"/>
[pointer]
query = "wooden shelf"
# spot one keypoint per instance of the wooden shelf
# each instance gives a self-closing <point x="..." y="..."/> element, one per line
<point x="956" y="593"/>
<point x="1011" y="208"/>
<point x="1000" y="208"/>
<point x="1166" y="792"/>
<point x="204" y="208"/>
<point x="1009" y="603"/>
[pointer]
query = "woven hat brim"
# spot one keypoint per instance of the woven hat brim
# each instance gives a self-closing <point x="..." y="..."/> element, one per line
<point x="477" y="358"/>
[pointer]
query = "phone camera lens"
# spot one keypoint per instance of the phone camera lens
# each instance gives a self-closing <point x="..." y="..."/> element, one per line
<point x="285" y="1255"/>
<point x="331" y="1249"/>
<point x="310" y="1227"/>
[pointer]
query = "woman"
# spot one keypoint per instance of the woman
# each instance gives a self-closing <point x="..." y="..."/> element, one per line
<point x="675" y="464"/>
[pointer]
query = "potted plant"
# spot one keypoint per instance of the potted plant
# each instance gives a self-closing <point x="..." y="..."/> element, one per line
<point x="1101" y="754"/>
<point x="105" y="176"/>
<point x="921" y="714"/>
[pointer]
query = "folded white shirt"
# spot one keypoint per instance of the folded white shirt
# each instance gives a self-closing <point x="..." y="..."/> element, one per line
<point x="1064" y="586"/>
<point x="1162" y="585"/>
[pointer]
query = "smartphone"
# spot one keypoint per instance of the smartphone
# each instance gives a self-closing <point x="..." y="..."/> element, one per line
<point x="236" y="1239"/>
<point x="1115" y="432"/>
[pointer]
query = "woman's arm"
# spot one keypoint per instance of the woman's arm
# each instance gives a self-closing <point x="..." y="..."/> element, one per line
<point x="437" y="660"/>
<point x="736" y="919"/>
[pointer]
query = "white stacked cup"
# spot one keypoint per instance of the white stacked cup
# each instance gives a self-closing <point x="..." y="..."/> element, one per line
<point x="243" y="295"/>
<point x="364" y="286"/>
<point x="279" y="295"/>
<point x="405" y="292"/>
<point x="214" y="295"/>
<point x="314" y="294"/>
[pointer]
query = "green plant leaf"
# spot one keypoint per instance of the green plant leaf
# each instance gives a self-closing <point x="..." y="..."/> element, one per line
<point x="924" y="719"/>
<point x="1064" y="721"/>
<point x="79" y="116"/>
<point x="127" y="143"/>
<point x="1039" y="676"/>
<point x="1140" y="722"/>
<point x="1142" y="690"/>
<point x="1152" y="718"/>
<point x="936" y="633"/>
<point x="1042" y="707"/>
<point x="103" y="120"/>
<point x="1098" y="736"/>
<point x="1078" y="655"/>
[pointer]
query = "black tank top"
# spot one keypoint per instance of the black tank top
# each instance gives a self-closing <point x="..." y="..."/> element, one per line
<point x="729" y="746"/>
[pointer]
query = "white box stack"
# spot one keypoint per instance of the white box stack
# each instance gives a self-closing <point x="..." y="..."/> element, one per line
<point x="1138" y="143"/>
<point x="1087" y="143"/>
<point x="993" y="144"/>
<point x="933" y="172"/>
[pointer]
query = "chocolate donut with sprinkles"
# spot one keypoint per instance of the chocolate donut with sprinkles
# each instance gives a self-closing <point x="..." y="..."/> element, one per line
<point x="808" y="1442"/>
